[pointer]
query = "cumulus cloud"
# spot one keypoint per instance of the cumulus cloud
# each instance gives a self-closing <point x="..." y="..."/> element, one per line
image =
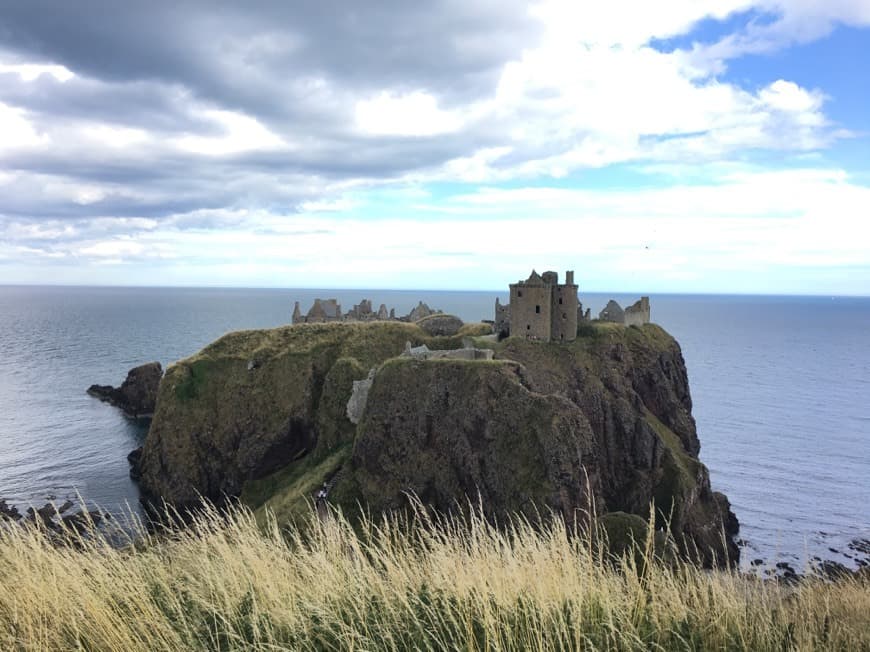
<point x="167" y="130"/>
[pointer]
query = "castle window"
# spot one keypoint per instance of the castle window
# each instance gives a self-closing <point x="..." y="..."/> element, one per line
<point x="564" y="315"/>
<point x="538" y="310"/>
<point x="519" y="293"/>
<point x="528" y="327"/>
<point x="560" y="301"/>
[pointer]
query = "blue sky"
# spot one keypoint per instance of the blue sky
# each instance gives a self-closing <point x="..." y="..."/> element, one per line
<point x="652" y="147"/>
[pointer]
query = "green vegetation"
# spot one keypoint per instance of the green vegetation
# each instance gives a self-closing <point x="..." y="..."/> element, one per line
<point x="190" y="386"/>
<point x="290" y="491"/>
<point x="476" y="329"/>
<point x="333" y="427"/>
<point x="257" y="397"/>
<point x="422" y="584"/>
<point x="680" y="473"/>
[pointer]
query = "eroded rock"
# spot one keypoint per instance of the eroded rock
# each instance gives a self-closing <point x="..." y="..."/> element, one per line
<point x="137" y="395"/>
<point x="440" y="324"/>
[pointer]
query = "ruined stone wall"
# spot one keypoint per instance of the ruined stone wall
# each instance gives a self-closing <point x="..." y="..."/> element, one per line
<point x="564" y="311"/>
<point x="297" y="314"/>
<point x="502" y="325"/>
<point x="637" y="314"/>
<point x="328" y="310"/>
<point x="582" y="315"/>
<point x="531" y="311"/>
<point x="423" y="352"/>
<point x="612" y="312"/>
<point x="356" y="404"/>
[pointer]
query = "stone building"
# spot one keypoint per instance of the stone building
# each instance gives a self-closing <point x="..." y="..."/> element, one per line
<point x="421" y="311"/>
<point x="637" y="314"/>
<point x="327" y="310"/>
<point x="541" y="308"/>
<point x="363" y="312"/>
<point x="612" y="312"/>
<point x="323" y="310"/>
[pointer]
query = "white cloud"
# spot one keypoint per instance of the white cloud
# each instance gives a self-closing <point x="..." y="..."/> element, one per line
<point x="573" y="103"/>
<point x="629" y="23"/>
<point x="16" y="130"/>
<point x="787" y="96"/>
<point x="32" y="71"/>
<point x="789" y="22"/>
<point x="411" y="114"/>
<point x="114" y="136"/>
<point x="328" y="205"/>
<point x="89" y="195"/>
<point x="113" y="249"/>
<point x="239" y="133"/>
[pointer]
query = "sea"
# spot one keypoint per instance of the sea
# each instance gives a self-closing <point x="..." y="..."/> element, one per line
<point x="780" y="385"/>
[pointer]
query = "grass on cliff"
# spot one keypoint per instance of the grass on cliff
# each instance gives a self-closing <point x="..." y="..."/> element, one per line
<point x="288" y="492"/>
<point x="228" y="584"/>
<point x="369" y="343"/>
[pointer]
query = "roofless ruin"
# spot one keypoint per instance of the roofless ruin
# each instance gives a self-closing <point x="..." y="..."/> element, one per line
<point x="545" y="310"/>
<point x="540" y="309"/>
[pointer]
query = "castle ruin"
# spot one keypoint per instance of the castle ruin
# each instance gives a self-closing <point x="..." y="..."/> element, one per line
<point x="541" y="309"/>
<point x="323" y="310"/>
<point x="329" y="310"/>
<point x="637" y="314"/>
<point x="544" y="310"/>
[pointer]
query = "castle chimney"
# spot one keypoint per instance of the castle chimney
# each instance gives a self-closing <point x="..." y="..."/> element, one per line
<point x="569" y="277"/>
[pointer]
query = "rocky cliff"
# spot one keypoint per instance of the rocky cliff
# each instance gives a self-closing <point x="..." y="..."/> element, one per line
<point x="603" y="423"/>
<point x="137" y="395"/>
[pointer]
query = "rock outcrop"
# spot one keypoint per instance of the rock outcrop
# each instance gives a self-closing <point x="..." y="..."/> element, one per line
<point x="440" y="324"/>
<point x="137" y="395"/>
<point x="449" y="429"/>
<point x="9" y="512"/>
<point x="601" y="422"/>
<point x="55" y="520"/>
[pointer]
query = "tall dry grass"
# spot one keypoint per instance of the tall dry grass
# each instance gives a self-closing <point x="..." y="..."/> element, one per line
<point x="225" y="584"/>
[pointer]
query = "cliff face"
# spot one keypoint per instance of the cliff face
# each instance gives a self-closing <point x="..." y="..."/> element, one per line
<point x="604" y="421"/>
<point x="446" y="429"/>
<point x="631" y="385"/>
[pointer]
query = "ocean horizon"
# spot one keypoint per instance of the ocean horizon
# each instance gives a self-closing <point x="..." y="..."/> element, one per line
<point x="780" y="386"/>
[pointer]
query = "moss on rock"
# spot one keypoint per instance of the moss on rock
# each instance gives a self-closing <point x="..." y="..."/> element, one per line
<point x="334" y="429"/>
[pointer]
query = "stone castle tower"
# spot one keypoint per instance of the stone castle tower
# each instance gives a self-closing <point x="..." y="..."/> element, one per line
<point x="542" y="309"/>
